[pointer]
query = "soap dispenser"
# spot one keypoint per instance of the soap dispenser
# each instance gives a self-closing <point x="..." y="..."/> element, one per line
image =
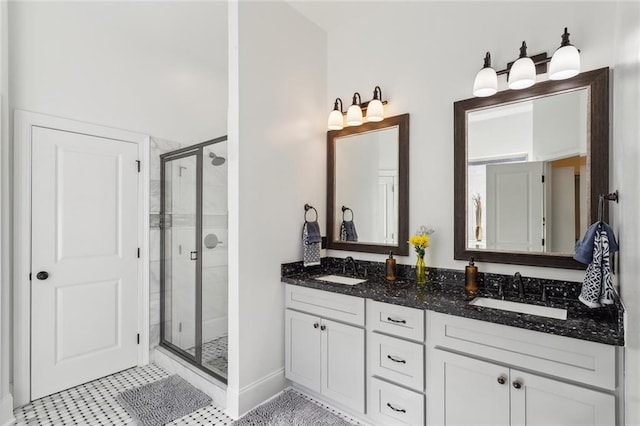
<point x="471" y="278"/>
<point x="390" y="268"/>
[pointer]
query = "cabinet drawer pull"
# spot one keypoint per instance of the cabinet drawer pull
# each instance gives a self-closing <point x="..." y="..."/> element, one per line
<point x="401" y="361"/>
<point x="316" y="325"/>
<point x="398" y="410"/>
<point x="502" y="380"/>
<point x="396" y="321"/>
<point x="323" y="327"/>
<point x="517" y="384"/>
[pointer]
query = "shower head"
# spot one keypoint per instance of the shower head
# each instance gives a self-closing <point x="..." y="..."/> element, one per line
<point x="215" y="160"/>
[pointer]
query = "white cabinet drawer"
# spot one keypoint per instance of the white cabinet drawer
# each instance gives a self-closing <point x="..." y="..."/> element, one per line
<point x="393" y="405"/>
<point x="326" y="304"/>
<point x="394" y="319"/>
<point x="573" y="359"/>
<point x="397" y="360"/>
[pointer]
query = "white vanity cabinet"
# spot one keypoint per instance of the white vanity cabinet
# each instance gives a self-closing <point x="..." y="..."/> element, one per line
<point x="325" y="344"/>
<point x="465" y="390"/>
<point x="396" y="362"/>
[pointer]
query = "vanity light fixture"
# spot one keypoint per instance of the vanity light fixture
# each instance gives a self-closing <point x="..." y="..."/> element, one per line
<point x="374" y="110"/>
<point x="336" y="120"/>
<point x="565" y="62"/>
<point x="486" y="82"/>
<point x="354" y="113"/>
<point x="523" y="71"/>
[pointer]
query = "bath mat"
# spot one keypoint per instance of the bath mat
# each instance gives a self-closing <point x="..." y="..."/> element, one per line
<point x="289" y="409"/>
<point x="163" y="401"/>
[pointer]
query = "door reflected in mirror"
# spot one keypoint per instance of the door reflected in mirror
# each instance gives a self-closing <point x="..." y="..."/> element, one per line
<point x="527" y="174"/>
<point x="366" y="196"/>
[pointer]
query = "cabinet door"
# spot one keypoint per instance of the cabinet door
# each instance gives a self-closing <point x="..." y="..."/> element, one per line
<point x="302" y="349"/>
<point x="343" y="364"/>
<point x="546" y="402"/>
<point x="465" y="391"/>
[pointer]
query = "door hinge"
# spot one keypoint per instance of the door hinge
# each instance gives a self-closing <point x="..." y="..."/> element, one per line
<point x="138" y="252"/>
<point x="543" y="242"/>
<point x="139" y="165"/>
<point x="542" y="178"/>
<point x="29" y="276"/>
<point x="138" y="338"/>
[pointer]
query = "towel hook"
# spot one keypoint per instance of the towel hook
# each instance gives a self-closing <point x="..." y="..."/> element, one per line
<point x="613" y="196"/>
<point x="346" y="209"/>
<point x="308" y="207"/>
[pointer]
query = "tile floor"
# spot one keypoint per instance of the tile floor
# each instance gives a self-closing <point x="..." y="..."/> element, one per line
<point x="214" y="355"/>
<point x="94" y="404"/>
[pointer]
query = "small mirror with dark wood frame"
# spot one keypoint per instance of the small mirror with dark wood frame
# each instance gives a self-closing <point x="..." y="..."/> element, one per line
<point x="529" y="166"/>
<point x="368" y="187"/>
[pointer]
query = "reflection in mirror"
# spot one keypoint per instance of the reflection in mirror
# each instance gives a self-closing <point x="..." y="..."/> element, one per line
<point x="527" y="174"/>
<point x="503" y="146"/>
<point x="366" y="200"/>
<point x="368" y="187"/>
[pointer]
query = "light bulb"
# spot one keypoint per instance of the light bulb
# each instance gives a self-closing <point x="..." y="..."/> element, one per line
<point x="523" y="71"/>
<point x="375" y="111"/>
<point x="335" y="120"/>
<point x="565" y="62"/>
<point x="486" y="82"/>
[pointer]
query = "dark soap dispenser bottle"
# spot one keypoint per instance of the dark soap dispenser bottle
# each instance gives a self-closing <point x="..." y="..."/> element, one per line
<point x="471" y="278"/>
<point x="390" y="268"/>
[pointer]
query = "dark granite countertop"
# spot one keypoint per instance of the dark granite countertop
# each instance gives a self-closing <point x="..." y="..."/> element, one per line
<point x="444" y="292"/>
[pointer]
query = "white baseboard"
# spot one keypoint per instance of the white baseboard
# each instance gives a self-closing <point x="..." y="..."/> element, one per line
<point x="207" y="384"/>
<point x="6" y="410"/>
<point x="256" y="393"/>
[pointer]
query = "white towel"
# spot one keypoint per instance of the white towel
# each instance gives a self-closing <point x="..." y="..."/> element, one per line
<point x="597" y="287"/>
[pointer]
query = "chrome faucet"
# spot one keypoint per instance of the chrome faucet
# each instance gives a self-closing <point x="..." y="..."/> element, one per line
<point x="518" y="279"/>
<point x="349" y="261"/>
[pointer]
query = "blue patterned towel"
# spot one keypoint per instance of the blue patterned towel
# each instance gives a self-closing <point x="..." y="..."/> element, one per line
<point x="311" y="241"/>
<point x="597" y="287"/>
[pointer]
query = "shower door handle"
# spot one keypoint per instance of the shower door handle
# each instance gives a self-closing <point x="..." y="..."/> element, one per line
<point x="194" y="255"/>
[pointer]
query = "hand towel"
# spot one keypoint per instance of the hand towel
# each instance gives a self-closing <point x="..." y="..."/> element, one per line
<point x="597" y="287"/>
<point x="311" y="241"/>
<point x="348" y="231"/>
<point x="584" y="247"/>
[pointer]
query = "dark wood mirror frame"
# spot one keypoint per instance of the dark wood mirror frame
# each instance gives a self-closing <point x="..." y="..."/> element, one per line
<point x="402" y="248"/>
<point x="597" y="82"/>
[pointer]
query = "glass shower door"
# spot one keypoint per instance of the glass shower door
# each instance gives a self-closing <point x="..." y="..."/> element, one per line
<point x="179" y="260"/>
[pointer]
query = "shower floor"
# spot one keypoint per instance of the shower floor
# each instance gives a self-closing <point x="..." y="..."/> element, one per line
<point x="214" y="355"/>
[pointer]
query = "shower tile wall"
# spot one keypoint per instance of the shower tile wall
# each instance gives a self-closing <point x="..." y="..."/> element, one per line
<point x="157" y="147"/>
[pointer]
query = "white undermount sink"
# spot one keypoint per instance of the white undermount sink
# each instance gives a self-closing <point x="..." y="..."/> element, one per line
<point x="339" y="279"/>
<point x="523" y="308"/>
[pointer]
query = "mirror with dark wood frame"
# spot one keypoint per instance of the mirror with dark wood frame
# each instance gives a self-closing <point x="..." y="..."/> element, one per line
<point x="504" y="211"/>
<point x="368" y="187"/>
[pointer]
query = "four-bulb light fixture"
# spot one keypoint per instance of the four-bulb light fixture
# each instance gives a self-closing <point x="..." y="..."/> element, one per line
<point x="374" y="111"/>
<point x="564" y="64"/>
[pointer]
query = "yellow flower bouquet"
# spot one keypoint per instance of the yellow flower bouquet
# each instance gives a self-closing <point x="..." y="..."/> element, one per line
<point x="420" y="241"/>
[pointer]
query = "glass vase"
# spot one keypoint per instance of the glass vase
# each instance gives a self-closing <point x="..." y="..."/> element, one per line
<point x="421" y="271"/>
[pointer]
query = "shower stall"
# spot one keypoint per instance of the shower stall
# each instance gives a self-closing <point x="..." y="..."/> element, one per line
<point x="194" y="255"/>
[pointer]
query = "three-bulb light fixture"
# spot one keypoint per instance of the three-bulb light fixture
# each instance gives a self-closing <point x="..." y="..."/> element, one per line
<point x="374" y="111"/>
<point x="565" y="63"/>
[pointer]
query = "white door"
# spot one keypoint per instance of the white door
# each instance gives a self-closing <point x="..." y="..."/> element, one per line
<point x="343" y="364"/>
<point x="84" y="237"/>
<point x="302" y="349"/>
<point x="515" y="206"/>
<point x="466" y="391"/>
<point x="545" y="402"/>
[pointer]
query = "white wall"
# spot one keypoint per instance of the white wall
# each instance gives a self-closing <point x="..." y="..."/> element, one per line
<point x="6" y="402"/>
<point x="626" y="178"/>
<point x="158" y="68"/>
<point x="425" y="56"/>
<point x="277" y="151"/>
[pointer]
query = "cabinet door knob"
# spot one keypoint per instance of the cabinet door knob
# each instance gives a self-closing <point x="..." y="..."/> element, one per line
<point x="399" y="410"/>
<point x="42" y="275"/>
<point x="323" y="327"/>
<point x="502" y="380"/>
<point x="316" y="325"/>
<point x="517" y="384"/>
<point x="401" y="321"/>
